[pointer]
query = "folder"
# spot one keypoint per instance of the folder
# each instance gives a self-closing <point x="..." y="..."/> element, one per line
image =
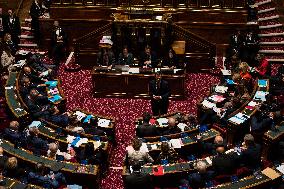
<point x="158" y="171"/>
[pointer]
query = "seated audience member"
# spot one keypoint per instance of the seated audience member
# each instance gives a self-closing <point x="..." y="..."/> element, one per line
<point x="167" y="155"/>
<point x="260" y="123"/>
<point x="34" y="61"/>
<point x="210" y="148"/>
<point x="262" y="68"/>
<point x="27" y="86"/>
<point x="105" y="56"/>
<point x="34" y="78"/>
<point x="171" y="60"/>
<point x="7" y="60"/>
<point x="244" y="72"/>
<point x="37" y="145"/>
<point x="57" y="118"/>
<point x="222" y="163"/>
<point x="13" y="170"/>
<point x="9" y="44"/>
<point x="74" y="125"/>
<point x="92" y="127"/>
<point x="3" y="159"/>
<point x="38" y="104"/>
<point x="54" y="152"/>
<point x="251" y="153"/>
<point x="125" y="58"/>
<point x="172" y="127"/>
<point x="40" y="178"/>
<point x="145" y="129"/>
<point x="148" y="59"/>
<point x="88" y="154"/>
<point x="199" y="179"/>
<point x="135" y="154"/>
<point x="137" y="179"/>
<point x="13" y="135"/>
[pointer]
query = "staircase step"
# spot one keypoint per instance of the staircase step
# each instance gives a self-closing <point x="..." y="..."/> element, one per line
<point x="27" y="45"/>
<point x="28" y="20"/>
<point x="266" y="10"/>
<point x="263" y="2"/>
<point x="26" y="36"/>
<point x="276" y="60"/>
<point x="271" y="51"/>
<point x="26" y="28"/>
<point x="272" y="43"/>
<point x="270" y="26"/>
<point x="270" y="34"/>
<point x="268" y="18"/>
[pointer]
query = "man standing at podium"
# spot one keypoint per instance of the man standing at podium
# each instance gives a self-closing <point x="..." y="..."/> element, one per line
<point x="159" y="92"/>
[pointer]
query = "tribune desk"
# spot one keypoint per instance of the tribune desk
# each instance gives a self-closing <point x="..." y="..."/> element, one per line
<point x="135" y="83"/>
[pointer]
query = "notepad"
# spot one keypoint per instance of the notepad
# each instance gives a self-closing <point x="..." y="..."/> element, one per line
<point x="35" y="124"/>
<point x="176" y="143"/>
<point x="272" y="174"/>
<point x="80" y="115"/>
<point x="208" y="104"/>
<point x="221" y="89"/>
<point x="51" y="83"/>
<point x="144" y="148"/>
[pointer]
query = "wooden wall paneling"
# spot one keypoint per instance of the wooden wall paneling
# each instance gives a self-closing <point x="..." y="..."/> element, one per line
<point x="228" y="4"/>
<point x="192" y="3"/>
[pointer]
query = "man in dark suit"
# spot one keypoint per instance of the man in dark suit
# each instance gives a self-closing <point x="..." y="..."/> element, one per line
<point x="251" y="153"/>
<point x="145" y="129"/>
<point x="38" y="145"/>
<point x="12" y="26"/>
<point x="38" y="104"/>
<point x="172" y="127"/>
<point x="138" y="180"/>
<point x="223" y="164"/>
<point x="159" y="92"/>
<point x="12" y="134"/>
<point x="125" y="58"/>
<point x="36" y="12"/>
<point x="210" y="148"/>
<point x="148" y="59"/>
<point x="58" y="43"/>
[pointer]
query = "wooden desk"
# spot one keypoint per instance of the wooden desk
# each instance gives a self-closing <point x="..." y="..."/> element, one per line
<point x="133" y="85"/>
<point x="272" y="137"/>
<point x="13" y="183"/>
<point x="72" y="170"/>
<point x="12" y="98"/>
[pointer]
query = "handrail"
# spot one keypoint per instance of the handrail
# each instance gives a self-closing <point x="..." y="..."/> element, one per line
<point x="201" y="39"/>
<point x="19" y="7"/>
<point x="81" y="39"/>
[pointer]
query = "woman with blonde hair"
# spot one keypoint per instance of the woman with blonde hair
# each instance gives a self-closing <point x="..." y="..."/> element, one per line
<point x="244" y="71"/>
<point x="12" y="170"/>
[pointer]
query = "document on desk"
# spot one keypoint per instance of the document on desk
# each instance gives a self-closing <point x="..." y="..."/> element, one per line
<point x="103" y="122"/>
<point x="144" y="148"/>
<point x="221" y="89"/>
<point x="35" y="124"/>
<point x="162" y="121"/>
<point x="281" y="168"/>
<point x="80" y="115"/>
<point x="133" y="70"/>
<point x="226" y="72"/>
<point x="260" y="95"/>
<point x="272" y="174"/>
<point x="208" y="160"/>
<point x="181" y="126"/>
<point x="208" y="104"/>
<point x="176" y="143"/>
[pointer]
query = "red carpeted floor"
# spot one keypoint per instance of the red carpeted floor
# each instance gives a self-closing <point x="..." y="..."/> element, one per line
<point x="77" y="87"/>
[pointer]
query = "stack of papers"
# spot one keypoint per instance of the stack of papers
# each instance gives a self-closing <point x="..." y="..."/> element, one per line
<point x="175" y="143"/>
<point x="181" y="126"/>
<point x="162" y="121"/>
<point x="76" y="141"/>
<point x="221" y="89"/>
<point x="55" y="98"/>
<point x="208" y="104"/>
<point x="103" y="122"/>
<point x="133" y="70"/>
<point x="80" y="115"/>
<point x="239" y="118"/>
<point x="51" y="83"/>
<point x="144" y="148"/>
<point x="216" y="98"/>
<point x="260" y="95"/>
<point x="262" y="83"/>
<point x="35" y="124"/>
<point x="226" y="72"/>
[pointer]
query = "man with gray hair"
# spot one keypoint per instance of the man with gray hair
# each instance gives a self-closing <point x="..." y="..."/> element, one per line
<point x="198" y="179"/>
<point x="251" y="154"/>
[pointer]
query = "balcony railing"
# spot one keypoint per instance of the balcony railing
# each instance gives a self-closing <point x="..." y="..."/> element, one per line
<point x="157" y="3"/>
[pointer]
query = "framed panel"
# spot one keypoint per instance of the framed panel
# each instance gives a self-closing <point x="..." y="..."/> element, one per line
<point x="192" y="3"/>
<point x="89" y="2"/>
<point x="239" y="3"/>
<point x="78" y="2"/>
<point x="204" y="3"/>
<point x="228" y="4"/>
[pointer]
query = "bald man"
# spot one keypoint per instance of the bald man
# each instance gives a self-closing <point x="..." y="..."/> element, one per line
<point x="209" y="147"/>
<point x="222" y="163"/>
<point x="172" y="127"/>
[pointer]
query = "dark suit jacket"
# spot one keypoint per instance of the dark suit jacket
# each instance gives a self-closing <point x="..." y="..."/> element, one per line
<point x="251" y="157"/>
<point x="125" y="61"/>
<point x="223" y="164"/>
<point x="172" y="130"/>
<point x="38" y="145"/>
<point x="111" y="59"/>
<point x="35" y="109"/>
<point x="144" y="57"/>
<point x="35" y="11"/>
<point x="54" y="36"/>
<point x="198" y="180"/>
<point x="236" y="40"/>
<point x="164" y="91"/>
<point x="138" y="181"/>
<point x="146" y="130"/>
<point x="12" y="135"/>
<point x="14" y="27"/>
